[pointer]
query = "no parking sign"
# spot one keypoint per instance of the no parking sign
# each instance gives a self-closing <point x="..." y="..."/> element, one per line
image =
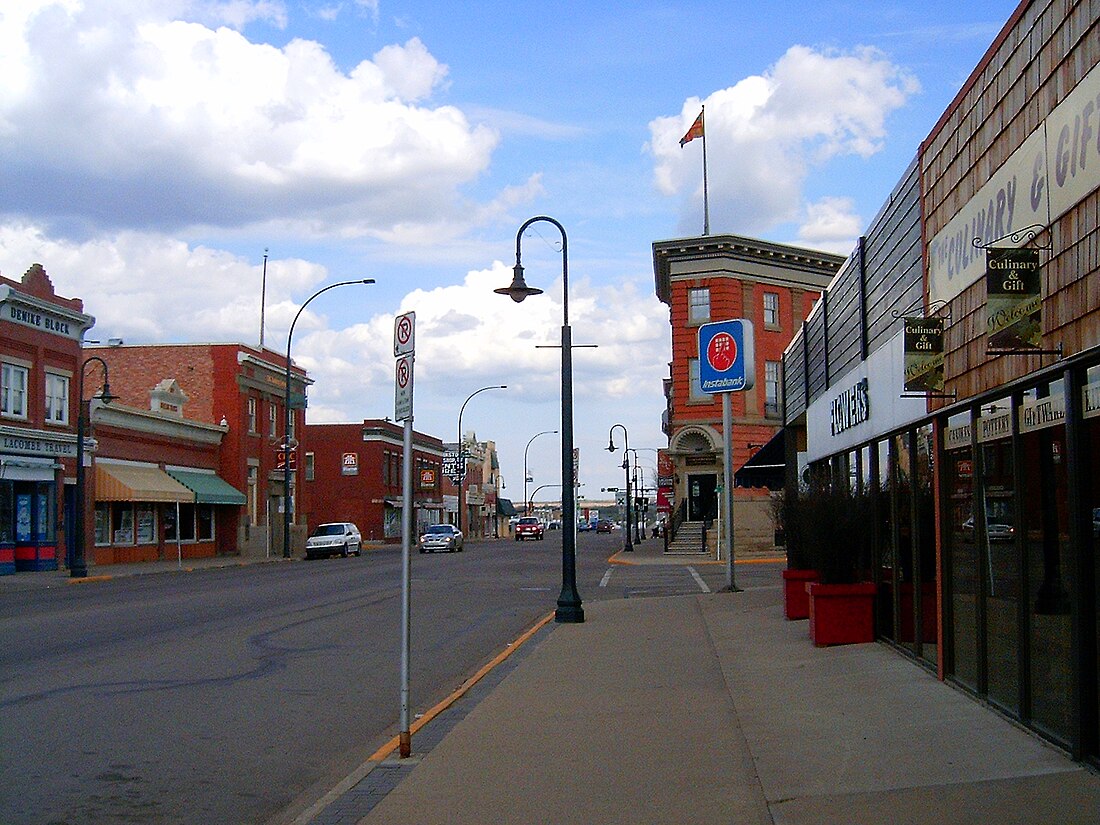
<point x="726" y="359"/>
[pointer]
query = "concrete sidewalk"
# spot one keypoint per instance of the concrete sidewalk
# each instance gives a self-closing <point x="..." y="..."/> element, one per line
<point x="715" y="709"/>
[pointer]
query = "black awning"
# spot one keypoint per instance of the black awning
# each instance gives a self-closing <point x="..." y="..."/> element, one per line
<point x="765" y="468"/>
<point x="506" y="508"/>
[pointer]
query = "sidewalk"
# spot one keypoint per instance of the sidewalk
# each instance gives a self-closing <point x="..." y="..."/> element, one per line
<point x="715" y="709"/>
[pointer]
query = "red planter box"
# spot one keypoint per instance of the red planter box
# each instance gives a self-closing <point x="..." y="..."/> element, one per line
<point x="841" y="614"/>
<point x="796" y="602"/>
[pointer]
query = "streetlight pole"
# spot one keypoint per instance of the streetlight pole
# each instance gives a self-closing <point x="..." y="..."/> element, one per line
<point x="288" y="503"/>
<point x="569" y="602"/>
<point x="462" y="452"/>
<point x="526" y="501"/>
<point x="627" y="545"/>
<point x="79" y="567"/>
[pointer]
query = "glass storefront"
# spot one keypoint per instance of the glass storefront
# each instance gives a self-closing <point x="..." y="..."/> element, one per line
<point x="1018" y="570"/>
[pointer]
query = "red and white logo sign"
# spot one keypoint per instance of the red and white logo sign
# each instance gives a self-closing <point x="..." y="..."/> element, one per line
<point x="722" y="352"/>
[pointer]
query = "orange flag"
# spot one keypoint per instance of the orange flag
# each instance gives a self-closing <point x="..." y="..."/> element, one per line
<point x="696" y="131"/>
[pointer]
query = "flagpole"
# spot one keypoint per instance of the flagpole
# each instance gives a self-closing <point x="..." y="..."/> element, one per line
<point x="706" y="199"/>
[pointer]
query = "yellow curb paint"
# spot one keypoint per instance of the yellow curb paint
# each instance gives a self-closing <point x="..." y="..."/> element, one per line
<point x="89" y="579"/>
<point x="392" y="745"/>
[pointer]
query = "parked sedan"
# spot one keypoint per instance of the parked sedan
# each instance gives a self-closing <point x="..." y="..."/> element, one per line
<point x="441" y="537"/>
<point x="335" y="538"/>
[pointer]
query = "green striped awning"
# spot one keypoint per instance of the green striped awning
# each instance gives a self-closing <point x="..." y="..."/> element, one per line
<point x="208" y="488"/>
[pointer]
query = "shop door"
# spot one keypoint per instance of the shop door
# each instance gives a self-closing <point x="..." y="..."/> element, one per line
<point x="702" y="497"/>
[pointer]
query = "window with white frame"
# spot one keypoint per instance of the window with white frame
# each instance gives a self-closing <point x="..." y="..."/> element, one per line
<point x="272" y="417"/>
<point x="252" y="415"/>
<point x="13" y="391"/>
<point x="698" y="305"/>
<point x="695" y="392"/>
<point x="771" y="309"/>
<point x="771" y="388"/>
<point x="57" y="399"/>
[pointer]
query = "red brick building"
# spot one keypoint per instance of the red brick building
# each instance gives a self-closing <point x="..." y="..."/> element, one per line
<point x="157" y="491"/>
<point x="716" y="278"/>
<point x="40" y="364"/>
<point x="354" y="472"/>
<point x="241" y="389"/>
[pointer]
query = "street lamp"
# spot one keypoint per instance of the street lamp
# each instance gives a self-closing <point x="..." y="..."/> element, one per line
<point x="288" y="504"/>
<point x="462" y="452"/>
<point x="79" y="567"/>
<point x="627" y="545"/>
<point x="526" y="501"/>
<point x="569" y="602"/>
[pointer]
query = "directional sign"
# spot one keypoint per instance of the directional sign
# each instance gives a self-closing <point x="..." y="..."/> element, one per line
<point x="726" y="359"/>
<point x="404" y="334"/>
<point x="403" y="389"/>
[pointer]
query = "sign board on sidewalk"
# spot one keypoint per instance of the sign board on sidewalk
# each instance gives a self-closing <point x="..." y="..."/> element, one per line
<point x="404" y="334"/>
<point x="727" y="362"/>
<point x="403" y="389"/>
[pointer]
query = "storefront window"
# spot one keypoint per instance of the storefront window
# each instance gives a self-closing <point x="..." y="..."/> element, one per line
<point x="102" y="523"/>
<point x="7" y="512"/>
<point x="994" y="524"/>
<point x="122" y="523"/>
<point x="1090" y="495"/>
<point x="903" y="551"/>
<point x="926" y="606"/>
<point x="884" y="507"/>
<point x="170" y="524"/>
<point x="146" y="524"/>
<point x="962" y="549"/>
<point x="1047" y="550"/>
<point x="204" y="515"/>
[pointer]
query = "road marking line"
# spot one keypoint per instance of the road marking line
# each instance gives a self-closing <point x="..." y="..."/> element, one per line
<point x="699" y="580"/>
<point x="606" y="577"/>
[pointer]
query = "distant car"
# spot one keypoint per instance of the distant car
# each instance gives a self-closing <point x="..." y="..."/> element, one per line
<point x="554" y="524"/>
<point x="604" y="526"/>
<point x="996" y="531"/>
<point x="586" y="526"/>
<point x="529" y="527"/>
<point x="334" y="538"/>
<point x="441" y="537"/>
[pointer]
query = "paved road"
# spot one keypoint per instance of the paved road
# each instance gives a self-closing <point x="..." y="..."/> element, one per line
<point x="233" y="695"/>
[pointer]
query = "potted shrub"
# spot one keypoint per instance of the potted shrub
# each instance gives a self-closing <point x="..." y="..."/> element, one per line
<point x="841" y="607"/>
<point x="791" y="511"/>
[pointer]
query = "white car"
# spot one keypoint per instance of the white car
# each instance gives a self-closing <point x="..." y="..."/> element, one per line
<point x="335" y="538"/>
<point x="441" y="537"/>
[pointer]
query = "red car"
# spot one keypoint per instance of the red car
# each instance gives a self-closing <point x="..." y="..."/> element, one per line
<point x="529" y="527"/>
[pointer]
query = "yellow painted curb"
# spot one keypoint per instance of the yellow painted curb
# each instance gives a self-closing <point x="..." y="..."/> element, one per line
<point x="392" y="745"/>
<point x="89" y="579"/>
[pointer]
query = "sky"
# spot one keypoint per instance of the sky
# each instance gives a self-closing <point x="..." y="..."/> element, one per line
<point x="152" y="152"/>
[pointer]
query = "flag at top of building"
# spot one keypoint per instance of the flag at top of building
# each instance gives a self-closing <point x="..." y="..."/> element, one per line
<point x="696" y="131"/>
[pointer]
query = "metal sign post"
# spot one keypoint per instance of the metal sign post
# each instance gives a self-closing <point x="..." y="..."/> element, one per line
<point x="403" y="350"/>
<point x="727" y="363"/>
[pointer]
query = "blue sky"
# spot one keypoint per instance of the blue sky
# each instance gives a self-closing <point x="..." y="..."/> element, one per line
<point x="151" y="151"/>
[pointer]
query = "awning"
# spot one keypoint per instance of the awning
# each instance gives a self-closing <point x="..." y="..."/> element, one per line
<point x="126" y="482"/>
<point x="208" y="488"/>
<point x="506" y="508"/>
<point x="765" y="468"/>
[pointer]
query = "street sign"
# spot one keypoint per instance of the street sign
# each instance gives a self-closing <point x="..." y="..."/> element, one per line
<point x="727" y="362"/>
<point x="404" y="334"/>
<point x="403" y="389"/>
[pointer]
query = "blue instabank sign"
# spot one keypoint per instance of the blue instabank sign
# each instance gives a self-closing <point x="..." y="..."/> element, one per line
<point x="726" y="359"/>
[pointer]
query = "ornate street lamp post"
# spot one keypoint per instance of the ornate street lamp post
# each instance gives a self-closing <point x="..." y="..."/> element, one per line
<point x="569" y="602"/>
<point x="627" y="544"/>
<point x="79" y="567"/>
<point x="462" y="452"/>
<point x="526" y="501"/>
<point x="288" y="503"/>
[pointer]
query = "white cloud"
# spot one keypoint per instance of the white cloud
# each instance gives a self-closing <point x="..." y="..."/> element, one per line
<point x="112" y="116"/>
<point x="830" y="224"/>
<point x="765" y="133"/>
